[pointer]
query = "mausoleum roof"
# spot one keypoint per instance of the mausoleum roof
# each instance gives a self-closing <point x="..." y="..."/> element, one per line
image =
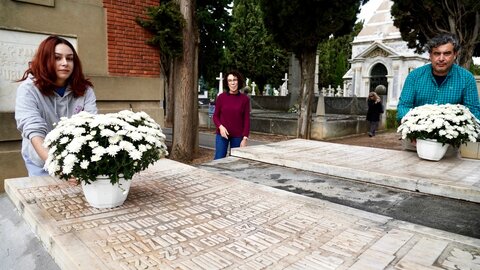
<point x="379" y="26"/>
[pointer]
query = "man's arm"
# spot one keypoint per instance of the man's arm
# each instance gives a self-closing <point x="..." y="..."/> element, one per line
<point x="470" y="99"/>
<point x="407" y="97"/>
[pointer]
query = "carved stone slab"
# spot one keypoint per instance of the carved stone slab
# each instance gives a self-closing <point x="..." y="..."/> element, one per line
<point x="451" y="177"/>
<point x="180" y="217"/>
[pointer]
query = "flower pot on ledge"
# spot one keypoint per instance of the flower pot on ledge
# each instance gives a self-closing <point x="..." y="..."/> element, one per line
<point x="117" y="145"/>
<point x="102" y="194"/>
<point x="431" y="149"/>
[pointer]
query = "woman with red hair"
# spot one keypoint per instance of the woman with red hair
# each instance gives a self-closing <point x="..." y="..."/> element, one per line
<point x="53" y="86"/>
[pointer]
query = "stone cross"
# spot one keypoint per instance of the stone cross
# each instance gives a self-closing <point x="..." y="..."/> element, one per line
<point x="283" y="88"/>
<point x="339" y="91"/>
<point x="220" y="83"/>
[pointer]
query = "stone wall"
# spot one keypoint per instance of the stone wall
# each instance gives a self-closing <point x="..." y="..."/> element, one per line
<point x="124" y="70"/>
<point x="333" y="105"/>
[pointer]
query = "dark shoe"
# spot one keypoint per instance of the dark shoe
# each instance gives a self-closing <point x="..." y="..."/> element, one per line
<point x="370" y="134"/>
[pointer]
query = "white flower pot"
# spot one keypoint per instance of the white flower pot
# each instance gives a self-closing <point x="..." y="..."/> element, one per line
<point x="430" y="149"/>
<point x="102" y="194"/>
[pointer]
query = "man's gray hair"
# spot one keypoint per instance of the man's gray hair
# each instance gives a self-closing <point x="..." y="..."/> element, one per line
<point x="443" y="39"/>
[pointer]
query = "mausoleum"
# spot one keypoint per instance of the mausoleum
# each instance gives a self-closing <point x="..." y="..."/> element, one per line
<point x="381" y="57"/>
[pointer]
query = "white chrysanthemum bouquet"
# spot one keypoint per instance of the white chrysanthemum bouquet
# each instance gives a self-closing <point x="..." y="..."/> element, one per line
<point x="115" y="144"/>
<point x="452" y="124"/>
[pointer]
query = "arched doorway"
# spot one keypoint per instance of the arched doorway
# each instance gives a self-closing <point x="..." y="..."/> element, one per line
<point x="378" y="76"/>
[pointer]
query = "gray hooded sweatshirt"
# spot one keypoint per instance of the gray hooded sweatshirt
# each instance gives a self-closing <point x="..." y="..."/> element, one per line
<point x="35" y="113"/>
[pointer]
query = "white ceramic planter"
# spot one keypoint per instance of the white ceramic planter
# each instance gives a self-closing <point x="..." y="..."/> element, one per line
<point x="102" y="194"/>
<point x="431" y="150"/>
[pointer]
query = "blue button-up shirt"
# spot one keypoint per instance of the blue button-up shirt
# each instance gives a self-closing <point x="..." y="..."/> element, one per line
<point x="420" y="88"/>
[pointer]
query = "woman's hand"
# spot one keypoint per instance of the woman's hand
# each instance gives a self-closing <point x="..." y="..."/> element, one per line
<point x="243" y="143"/>
<point x="73" y="181"/>
<point x="223" y="132"/>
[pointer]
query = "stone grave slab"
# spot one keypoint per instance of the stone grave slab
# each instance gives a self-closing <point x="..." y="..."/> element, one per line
<point x="180" y="217"/>
<point x="451" y="177"/>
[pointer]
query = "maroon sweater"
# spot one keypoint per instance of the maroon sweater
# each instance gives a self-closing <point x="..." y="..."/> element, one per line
<point x="233" y="112"/>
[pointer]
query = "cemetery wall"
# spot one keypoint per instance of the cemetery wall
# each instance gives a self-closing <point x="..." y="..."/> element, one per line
<point x="124" y="70"/>
<point x="333" y="105"/>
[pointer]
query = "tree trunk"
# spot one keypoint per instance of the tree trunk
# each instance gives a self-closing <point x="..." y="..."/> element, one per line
<point x="169" y="103"/>
<point x="185" y="90"/>
<point x="307" y="67"/>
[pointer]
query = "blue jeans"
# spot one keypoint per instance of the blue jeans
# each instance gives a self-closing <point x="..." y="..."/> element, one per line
<point x="33" y="170"/>
<point x="221" y="145"/>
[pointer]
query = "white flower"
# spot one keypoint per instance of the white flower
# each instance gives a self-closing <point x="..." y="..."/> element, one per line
<point x="96" y="158"/>
<point x="78" y="145"/>
<point x="64" y="140"/>
<point x="69" y="160"/>
<point x="93" y="144"/>
<point x="99" y="151"/>
<point x="450" y="124"/>
<point x="84" y="164"/>
<point x="136" y="136"/>
<point x="112" y="150"/>
<point x="142" y="148"/>
<point x="107" y="133"/>
<point x="114" y="139"/>
<point x="135" y="154"/>
<point x="127" y="146"/>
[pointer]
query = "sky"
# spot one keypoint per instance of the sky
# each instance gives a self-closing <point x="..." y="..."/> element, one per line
<point x="367" y="10"/>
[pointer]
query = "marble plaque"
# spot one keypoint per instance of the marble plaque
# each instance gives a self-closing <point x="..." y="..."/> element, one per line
<point x="16" y="50"/>
<point x="181" y="217"/>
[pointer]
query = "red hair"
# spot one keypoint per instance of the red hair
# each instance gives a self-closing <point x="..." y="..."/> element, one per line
<point x="43" y="69"/>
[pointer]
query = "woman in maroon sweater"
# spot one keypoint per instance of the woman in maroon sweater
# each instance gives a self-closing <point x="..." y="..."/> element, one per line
<point x="231" y="116"/>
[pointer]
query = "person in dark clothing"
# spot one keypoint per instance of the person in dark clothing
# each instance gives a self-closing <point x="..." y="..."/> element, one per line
<point x="375" y="108"/>
<point x="231" y="116"/>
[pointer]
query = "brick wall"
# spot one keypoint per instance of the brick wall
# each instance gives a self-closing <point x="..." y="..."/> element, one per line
<point x="128" y="55"/>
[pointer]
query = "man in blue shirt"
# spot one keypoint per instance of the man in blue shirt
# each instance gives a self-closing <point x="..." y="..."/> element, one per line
<point x="441" y="81"/>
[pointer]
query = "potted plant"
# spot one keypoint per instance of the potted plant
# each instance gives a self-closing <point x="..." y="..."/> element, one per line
<point x="439" y="126"/>
<point x="103" y="152"/>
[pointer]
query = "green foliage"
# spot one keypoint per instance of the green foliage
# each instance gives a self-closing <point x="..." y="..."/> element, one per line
<point x="213" y="21"/>
<point x="475" y="69"/>
<point x="391" y="121"/>
<point x="165" y="23"/>
<point x="333" y="58"/>
<point x="252" y="50"/>
<point x="301" y="24"/>
<point x="419" y="21"/>
<point x="212" y="93"/>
